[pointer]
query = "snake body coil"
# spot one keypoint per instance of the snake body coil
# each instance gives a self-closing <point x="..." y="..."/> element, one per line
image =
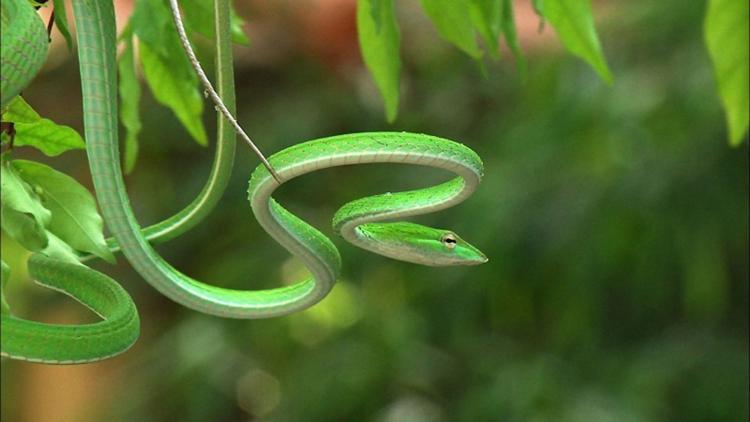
<point x="367" y="222"/>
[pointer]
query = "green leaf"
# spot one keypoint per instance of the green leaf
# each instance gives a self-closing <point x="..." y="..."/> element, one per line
<point x="538" y="6"/>
<point x="75" y="219"/>
<point x="574" y="25"/>
<point x="16" y="195"/>
<point x="199" y="17"/>
<point x="166" y="68"/>
<point x="726" y="33"/>
<point x="511" y="37"/>
<point x="152" y="22"/>
<point x="486" y="15"/>
<point x="58" y="249"/>
<point x="379" y="40"/>
<point x="61" y="21"/>
<point x="453" y="22"/>
<point x="130" y="95"/>
<point x="43" y="134"/>
<point x="178" y="93"/>
<point x="24" y="228"/>
<point x="4" y="277"/>
<point x="49" y="137"/>
<point x="19" y="111"/>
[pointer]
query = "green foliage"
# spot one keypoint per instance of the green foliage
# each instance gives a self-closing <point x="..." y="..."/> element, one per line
<point x="24" y="229"/>
<point x="75" y="219"/>
<point x="130" y="95"/>
<point x="379" y="40"/>
<point x="574" y="24"/>
<point x="199" y="18"/>
<point x="509" y="30"/>
<point x="487" y="19"/>
<point x="49" y="212"/>
<point x="4" y="277"/>
<point x="178" y="93"/>
<point x="43" y="134"/>
<point x="615" y="226"/>
<point x="43" y="209"/>
<point x="61" y="22"/>
<point x="459" y="22"/>
<point x="59" y="249"/>
<point x="168" y="72"/>
<point x="454" y="23"/>
<point x="18" y="195"/>
<point x="23" y="216"/>
<point x="726" y="32"/>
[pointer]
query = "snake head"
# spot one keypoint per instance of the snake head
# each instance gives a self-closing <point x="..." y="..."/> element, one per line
<point x="419" y="244"/>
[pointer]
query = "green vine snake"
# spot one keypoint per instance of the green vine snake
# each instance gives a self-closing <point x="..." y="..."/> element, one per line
<point x="367" y="222"/>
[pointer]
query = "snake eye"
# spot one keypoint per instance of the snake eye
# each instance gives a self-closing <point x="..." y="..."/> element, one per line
<point x="449" y="240"/>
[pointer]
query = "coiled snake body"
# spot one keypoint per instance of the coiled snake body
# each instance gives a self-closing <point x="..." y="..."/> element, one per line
<point x="367" y="222"/>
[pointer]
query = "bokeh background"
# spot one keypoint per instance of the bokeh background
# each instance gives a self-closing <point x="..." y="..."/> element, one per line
<point x="615" y="219"/>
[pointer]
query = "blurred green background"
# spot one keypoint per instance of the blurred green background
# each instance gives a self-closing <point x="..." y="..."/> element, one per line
<point x="615" y="219"/>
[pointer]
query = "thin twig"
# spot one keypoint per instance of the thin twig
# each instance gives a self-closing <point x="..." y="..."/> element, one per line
<point x="210" y="89"/>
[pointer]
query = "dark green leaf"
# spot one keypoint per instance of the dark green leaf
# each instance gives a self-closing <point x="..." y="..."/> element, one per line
<point x="376" y="13"/>
<point x="58" y="249"/>
<point x="130" y="95"/>
<point x="726" y="32"/>
<point x="75" y="219"/>
<point x="24" y="228"/>
<point x="574" y="25"/>
<point x="4" y="277"/>
<point x="61" y="21"/>
<point x="43" y="134"/>
<point x="380" y="48"/>
<point x="18" y="195"/>
<point x="168" y="72"/>
<point x="152" y="22"/>
<point x="49" y="137"/>
<point x="452" y="20"/>
<point x="486" y="15"/>
<point x="199" y="17"/>
<point x="511" y="37"/>
<point x="176" y="92"/>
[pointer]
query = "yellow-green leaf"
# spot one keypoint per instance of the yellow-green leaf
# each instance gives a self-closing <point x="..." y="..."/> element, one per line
<point x="726" y="33"/>
<point x="379" y="40"/>
<point x="19" y="111"/>
<point x="43" y="134"/>
<point x="49" y="137"/>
